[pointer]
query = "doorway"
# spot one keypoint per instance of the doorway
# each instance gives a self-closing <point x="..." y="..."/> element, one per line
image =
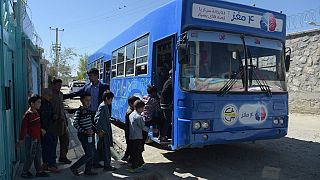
<point x="164" y="59"/>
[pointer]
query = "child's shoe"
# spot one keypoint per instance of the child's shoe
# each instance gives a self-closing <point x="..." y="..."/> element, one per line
<point x="27" y="175"/>
<point x="144" y="166"/>
<point x="45" y="166"/>
<point x="125" y="158"/>
<point x="53" y="169"/>
<point x="75" y="171"/>
<point x="136" y="170"/>
<point x="42" y="174"/>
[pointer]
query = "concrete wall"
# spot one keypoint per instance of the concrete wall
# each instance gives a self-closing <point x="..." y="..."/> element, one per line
<point x="304" y="75"/>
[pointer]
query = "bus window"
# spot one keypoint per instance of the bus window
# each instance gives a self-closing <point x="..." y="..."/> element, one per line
<point x="212" y="64"/>
<point x="142" y="69"/>
<point x="120" y="62"/>
<point x="107" y="72"/>
<point x="130" y="55"/>
<point x="142" y="56"/>
<point x="101" y="69"/>
<point x="114" y="63"/>
<point x="120" y="69"/>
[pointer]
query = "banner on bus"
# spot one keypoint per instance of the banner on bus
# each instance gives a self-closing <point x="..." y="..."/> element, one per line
<point x="266" y="21"/>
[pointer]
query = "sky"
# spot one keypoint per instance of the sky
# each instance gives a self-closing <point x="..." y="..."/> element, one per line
<point x="88" y="25"/>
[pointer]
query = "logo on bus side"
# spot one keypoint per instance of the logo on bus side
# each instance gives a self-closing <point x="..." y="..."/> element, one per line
<point x="230" y="114"/>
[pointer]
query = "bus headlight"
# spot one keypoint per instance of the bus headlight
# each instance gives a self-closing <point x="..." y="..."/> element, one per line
<point x="278" y="121"/>
<point x="281" y="121"/>
<point x="196" y="125"/>
<point x="205" y="125"/>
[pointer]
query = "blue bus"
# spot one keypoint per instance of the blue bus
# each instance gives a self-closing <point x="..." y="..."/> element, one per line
<point x="228" y="61"/>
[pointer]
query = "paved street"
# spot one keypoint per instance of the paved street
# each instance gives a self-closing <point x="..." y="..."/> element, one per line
<point x="296" y="156"/>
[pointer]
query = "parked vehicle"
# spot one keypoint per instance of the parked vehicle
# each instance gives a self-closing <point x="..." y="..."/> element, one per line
<point x="76" y="85"/>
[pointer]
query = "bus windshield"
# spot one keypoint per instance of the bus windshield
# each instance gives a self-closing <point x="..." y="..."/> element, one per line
<point x="216" y="58"/>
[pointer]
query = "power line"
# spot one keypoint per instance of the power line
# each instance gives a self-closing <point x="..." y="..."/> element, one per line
<point x="120" y="14"/>
<point x="120" y="7"/>
<point x="301" y="20"/>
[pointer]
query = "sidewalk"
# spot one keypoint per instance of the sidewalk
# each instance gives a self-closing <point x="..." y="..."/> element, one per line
<point x="75" y="152"/>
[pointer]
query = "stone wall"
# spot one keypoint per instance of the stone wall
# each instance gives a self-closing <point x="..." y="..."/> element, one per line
<point x="304" y="75"/>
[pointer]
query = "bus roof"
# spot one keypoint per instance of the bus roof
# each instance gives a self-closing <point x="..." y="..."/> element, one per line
<point x="152" y="22"/>
<point x="180" y="15"/>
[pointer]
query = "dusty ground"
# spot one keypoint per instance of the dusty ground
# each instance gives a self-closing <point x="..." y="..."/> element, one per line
<point x="296" y="156"/>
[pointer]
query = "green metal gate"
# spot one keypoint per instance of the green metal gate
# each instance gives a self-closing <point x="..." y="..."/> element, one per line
<point x="12" y="87"/>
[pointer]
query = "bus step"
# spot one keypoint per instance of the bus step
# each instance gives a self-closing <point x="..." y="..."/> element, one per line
<point x="156" y="139"/>
<point x="166" y="142"/>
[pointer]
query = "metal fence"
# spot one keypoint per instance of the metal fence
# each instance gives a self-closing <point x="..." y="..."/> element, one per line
<point x="28" y="26"/>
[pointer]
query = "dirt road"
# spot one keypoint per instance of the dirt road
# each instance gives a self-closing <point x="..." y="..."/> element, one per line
<point x="296" y="156"/>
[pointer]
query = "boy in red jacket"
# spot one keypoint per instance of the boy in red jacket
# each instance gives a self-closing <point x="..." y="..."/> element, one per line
<point x="31" y="131"/>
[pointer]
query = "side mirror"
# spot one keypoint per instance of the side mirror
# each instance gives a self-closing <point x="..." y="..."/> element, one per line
<point x="287" y="59"/>
<point x="183" y="49"/>
<point x="183" y="53"/>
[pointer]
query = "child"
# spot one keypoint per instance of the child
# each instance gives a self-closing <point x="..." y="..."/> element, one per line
<point x="103" y="126"/>
<point x="130" y="109"/>
<point x="31" y="131"/>
<point x="49" y="140"/>
<point x="83" y="123"/>
<point x="152" y="111"/>
<point x="135" y="135"/>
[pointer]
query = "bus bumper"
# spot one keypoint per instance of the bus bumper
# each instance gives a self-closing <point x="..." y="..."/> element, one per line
<point x="203" y="139"/>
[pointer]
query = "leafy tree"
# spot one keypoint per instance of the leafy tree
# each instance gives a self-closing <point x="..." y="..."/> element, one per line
<point x="82" y="68"/>
<point x="61" y="68"/>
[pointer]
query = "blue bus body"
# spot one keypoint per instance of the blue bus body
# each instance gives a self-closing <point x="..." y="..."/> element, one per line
<point x="237" y="115"/>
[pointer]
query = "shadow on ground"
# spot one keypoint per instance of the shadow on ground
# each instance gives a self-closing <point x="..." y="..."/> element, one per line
<point x="284" y="158"/>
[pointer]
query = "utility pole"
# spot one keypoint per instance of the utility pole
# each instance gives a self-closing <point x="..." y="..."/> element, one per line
<point x="56" y="48"/>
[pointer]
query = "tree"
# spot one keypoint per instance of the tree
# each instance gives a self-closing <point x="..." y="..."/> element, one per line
<point x="82" y="68"/>
<point x="61" y="68"/>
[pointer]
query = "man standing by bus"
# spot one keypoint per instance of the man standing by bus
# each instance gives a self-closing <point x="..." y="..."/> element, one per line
<point x="95" y="88"/>
<point x="166" y="107"/>
<point x="59" y="117"/>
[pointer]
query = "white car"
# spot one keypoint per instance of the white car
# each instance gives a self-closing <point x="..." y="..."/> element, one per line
<point x="76" y="85"/>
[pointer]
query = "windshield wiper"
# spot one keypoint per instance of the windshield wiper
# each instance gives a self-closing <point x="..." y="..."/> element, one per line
<point x="245" y="74"/>
<point x="262" y="83"/>
<point x="227" y="87"/>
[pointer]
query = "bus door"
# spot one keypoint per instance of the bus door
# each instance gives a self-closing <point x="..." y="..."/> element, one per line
<point x="163" y="63"/>
<point x="164" y="58"/>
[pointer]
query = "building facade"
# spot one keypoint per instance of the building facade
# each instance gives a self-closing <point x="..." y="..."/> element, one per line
<point x="19" y="75"/>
